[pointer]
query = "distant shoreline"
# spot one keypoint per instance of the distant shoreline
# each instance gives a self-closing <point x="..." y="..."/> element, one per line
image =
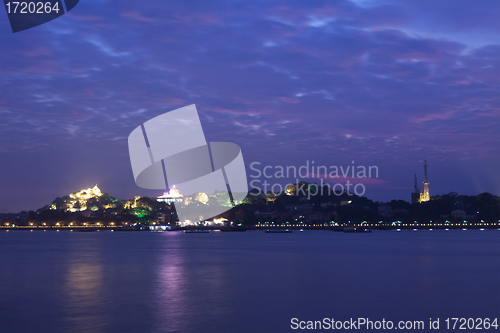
<point x="430" y="226"/>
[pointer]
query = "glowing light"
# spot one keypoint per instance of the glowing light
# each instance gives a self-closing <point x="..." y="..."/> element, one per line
<point x="81" y="197"/>
<point x="172" y="196"/>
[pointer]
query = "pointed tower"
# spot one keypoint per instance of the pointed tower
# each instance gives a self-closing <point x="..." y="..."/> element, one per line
<point x="424" y="196"/>
<point x="415" y="196"/>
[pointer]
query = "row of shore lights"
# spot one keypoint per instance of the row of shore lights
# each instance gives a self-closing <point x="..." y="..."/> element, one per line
<point x="98" y="224"/>
<point x="287" y="224"/>
<point x="366" y="224"/>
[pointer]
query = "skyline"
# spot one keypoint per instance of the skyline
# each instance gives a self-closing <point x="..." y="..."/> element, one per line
<point x="387" y="84"/>
<point x="257" y="191"/>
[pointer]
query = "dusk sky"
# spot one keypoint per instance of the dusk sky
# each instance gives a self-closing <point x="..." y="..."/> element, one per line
<point x="381" y="83"/>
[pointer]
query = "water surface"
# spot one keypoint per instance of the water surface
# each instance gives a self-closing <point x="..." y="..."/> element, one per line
<point x="241" y="282"/>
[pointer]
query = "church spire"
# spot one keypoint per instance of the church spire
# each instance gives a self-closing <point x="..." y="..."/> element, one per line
<point x="425" y="171"/>
<point x="425" y="196"/>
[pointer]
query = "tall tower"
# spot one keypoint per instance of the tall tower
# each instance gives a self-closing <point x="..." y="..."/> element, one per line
<point x="415" y="196"/>
<point x="424" y="196"/>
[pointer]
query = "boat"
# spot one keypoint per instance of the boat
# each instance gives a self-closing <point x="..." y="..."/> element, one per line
<point x="196" y="231"/>
<point x="270" y="231"/>
<point x="357" y="229"/>
<point x="159" y="228"/>
<point x="134" y="227"/>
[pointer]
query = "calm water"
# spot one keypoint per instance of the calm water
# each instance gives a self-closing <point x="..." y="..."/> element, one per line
<point x="241" y="282"/>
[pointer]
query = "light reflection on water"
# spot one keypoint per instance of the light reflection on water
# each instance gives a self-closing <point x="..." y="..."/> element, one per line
<point x="242" y="282"/>
<point x="172" y="308"/>
<point x="83" y="292"/>
<point x="188" y="287"/>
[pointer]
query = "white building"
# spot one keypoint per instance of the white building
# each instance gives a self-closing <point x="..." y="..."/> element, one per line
<point x="172" y="196"/>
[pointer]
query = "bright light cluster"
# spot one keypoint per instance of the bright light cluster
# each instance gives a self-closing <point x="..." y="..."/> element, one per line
<point x="82" y="197"/>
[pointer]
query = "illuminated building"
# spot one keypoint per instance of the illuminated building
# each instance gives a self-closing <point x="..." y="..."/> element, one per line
<point x="78" y="200"/>
<point x="186" y="223"/>
<point x="172" y="196"/>
<point x="216" y="222"/>
<point x="424" y="196"/>
<point x="421" y="196"/>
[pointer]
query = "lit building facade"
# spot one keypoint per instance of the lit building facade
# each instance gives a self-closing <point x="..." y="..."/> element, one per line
<point x="424" y="196"/>
<point x="171" y="197"/>
<point x="421" y="196"/>
<point x="78" y="200"/>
